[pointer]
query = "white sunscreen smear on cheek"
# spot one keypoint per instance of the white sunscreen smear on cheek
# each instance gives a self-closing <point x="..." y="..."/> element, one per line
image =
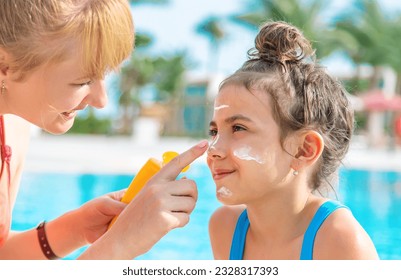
<point x="244" y="153"/>
<point x="224" y="192"/>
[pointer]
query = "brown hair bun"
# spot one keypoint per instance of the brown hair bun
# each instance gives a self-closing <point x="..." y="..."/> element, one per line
<point x="280" y="42"/>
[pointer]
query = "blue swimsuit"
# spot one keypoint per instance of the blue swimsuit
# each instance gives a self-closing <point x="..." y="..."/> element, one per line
<point x="239" y="238"/>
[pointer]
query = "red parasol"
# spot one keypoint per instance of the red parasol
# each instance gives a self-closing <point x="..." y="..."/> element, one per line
<point x="376" y="100"/>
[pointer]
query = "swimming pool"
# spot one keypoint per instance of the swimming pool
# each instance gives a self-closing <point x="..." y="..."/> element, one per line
<point x="374" y="198"/>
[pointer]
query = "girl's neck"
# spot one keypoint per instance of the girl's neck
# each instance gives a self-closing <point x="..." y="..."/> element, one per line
<point x="282" y="216"/>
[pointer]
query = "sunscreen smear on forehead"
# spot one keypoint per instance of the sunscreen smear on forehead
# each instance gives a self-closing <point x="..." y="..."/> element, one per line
<point x="220" y="107"/>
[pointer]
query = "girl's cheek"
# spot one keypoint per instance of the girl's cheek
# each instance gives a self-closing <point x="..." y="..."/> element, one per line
<point x="246" y="153"/>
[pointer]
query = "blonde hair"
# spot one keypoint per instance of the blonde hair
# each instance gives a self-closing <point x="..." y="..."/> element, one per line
<point x="34" y="32"/>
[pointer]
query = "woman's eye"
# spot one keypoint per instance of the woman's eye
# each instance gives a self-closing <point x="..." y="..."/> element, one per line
<point x="88" y="83"/>
<point x="212" y="132"/>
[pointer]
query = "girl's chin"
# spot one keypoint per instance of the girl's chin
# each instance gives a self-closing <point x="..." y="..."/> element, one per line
<point x="225" y="198"/>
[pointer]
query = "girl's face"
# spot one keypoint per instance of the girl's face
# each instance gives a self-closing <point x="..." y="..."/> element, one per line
<point x="50" y="96"/>
<point x="245" y="155"/>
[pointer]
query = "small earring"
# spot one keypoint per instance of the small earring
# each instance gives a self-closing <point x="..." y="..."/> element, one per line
<point x="295" y="173"/>
<point x="3" y="87"/>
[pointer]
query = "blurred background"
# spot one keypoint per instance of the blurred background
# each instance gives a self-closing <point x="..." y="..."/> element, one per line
<point x="185" y="48"/>
<point x="163" y="96"/>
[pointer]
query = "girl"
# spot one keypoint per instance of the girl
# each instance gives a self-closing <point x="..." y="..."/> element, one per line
<point x="281" y="127"/>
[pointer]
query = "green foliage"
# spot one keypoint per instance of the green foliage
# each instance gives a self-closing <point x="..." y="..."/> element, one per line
<point x="368" y="41"/>
<point x="356" y="85"/>
<point x="91" y="124"/>
<point x="164" y="72"/>
<point x="361" y="121"/>
<point x="143" y="40"/>
<point x="303" y="14"/>
<point x="212" y="28"/>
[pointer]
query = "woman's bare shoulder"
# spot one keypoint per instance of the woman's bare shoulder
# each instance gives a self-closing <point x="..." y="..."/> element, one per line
<point x="342" y="237"/>
<point x="17" y="132"/>
<point x="221" y="228"/>
<point x="14" y="124"/>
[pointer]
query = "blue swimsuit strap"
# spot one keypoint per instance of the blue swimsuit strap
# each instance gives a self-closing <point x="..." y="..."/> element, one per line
<point x="239" y="237"/>
<point x="241" y="229"/>
<point x="309" y="238"/>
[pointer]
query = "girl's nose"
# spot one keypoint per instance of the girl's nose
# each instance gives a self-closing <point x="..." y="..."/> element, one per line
<point x="216" y="149"/>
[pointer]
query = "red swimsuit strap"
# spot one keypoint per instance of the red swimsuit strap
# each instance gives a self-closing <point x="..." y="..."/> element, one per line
<point x="5" y="152"/>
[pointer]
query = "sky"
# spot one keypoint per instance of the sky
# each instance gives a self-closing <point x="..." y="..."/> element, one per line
<point x="173" y="27"/>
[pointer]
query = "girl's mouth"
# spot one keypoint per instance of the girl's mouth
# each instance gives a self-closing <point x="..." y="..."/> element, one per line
<point x="220" y="174"/>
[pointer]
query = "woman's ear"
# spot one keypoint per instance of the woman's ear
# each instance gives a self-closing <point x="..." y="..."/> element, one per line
<point x="310" y="149"/>
<point x="3" y="62"/>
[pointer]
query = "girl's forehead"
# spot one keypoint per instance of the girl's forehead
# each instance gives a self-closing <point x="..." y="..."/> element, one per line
<point x="241" y="96"/>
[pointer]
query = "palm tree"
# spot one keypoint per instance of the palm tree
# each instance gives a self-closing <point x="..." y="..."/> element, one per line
<point x="163" y="74"/>
<point x="304" y="15"/>
<point x="134" y="75"/>
<point x="366" y="38"/>
<point x="212" y="28"/>
<point x="394" y="50"/>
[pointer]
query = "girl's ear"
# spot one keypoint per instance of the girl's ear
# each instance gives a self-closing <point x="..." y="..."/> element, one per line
<point x="312" y="145"/>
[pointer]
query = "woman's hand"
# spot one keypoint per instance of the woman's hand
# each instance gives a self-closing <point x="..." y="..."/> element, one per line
<point x="95" y="215"/>
<point x="162" y="205"/>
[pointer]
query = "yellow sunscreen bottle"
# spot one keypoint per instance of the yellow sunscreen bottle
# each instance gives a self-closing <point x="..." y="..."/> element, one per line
<point x="148" y="170"/>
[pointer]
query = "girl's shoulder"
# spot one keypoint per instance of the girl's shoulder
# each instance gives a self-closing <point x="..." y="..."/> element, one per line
<point x="342" y="237"/>
<point x="221" y="228"/>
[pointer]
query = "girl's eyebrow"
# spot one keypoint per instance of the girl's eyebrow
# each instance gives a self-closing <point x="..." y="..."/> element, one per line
<point x="233" y="119"/>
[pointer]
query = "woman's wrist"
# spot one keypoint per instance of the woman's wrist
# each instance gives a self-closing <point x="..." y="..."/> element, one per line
<point x="44" y="242"/>
<point x="110" y="247"/>
<point x="63" y="235"/>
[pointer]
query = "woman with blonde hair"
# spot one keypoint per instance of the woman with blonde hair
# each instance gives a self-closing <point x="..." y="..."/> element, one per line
<point x="54" y="56"/>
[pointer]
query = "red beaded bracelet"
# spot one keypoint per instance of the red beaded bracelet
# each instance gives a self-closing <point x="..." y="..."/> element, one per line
<point x="44" y="243"/>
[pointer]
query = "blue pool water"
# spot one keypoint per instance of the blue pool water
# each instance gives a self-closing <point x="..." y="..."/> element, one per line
<point x="373" y="197"/>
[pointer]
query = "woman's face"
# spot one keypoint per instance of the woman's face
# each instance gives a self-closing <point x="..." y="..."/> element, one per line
<point x="50" y="96"/>
<point x="245" y="155"/>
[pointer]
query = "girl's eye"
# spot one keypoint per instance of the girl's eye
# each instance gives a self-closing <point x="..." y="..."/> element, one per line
<point x="212" y="132"/>
<point x="238" y="128"/>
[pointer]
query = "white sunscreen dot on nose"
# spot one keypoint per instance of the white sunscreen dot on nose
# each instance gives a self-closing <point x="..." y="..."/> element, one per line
<point x="224" y="192"/>
<point x="220" y="107"/>
<point x="212" y="143"/>
<point x="244" y="153"/>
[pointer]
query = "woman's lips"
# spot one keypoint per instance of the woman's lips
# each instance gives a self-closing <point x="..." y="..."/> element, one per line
<point x="70" y="114"/>
<point x="219" y="174"/>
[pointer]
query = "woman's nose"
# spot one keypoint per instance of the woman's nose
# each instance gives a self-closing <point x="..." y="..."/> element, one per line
<point x="98" y="96"/>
